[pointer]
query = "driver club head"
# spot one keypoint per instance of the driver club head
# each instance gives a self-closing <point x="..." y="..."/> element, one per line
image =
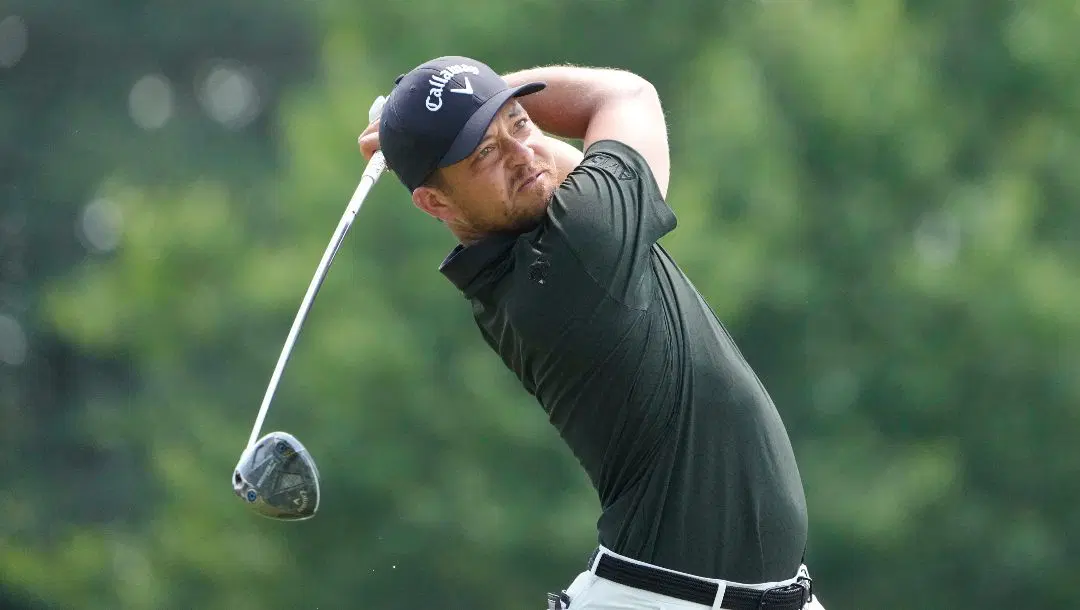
<point x="277" y="478"/>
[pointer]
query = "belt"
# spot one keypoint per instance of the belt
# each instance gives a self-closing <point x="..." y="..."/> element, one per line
<point x="792" y="596"/>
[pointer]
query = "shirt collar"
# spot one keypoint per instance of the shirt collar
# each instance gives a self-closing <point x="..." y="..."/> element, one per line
<point x="470" y="267"/>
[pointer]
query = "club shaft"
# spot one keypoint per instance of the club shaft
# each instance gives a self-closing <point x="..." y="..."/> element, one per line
<point x="372" y="172"/>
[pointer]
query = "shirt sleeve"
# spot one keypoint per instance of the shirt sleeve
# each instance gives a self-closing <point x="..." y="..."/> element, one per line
<point x="610" y="213"/>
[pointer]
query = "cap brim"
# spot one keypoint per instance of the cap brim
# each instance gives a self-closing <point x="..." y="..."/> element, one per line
<point x="470" y="135"/>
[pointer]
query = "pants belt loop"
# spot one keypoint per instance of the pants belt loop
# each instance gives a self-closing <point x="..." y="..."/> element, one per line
<point x="720" y="590"/>
<point x="595" y="559"/>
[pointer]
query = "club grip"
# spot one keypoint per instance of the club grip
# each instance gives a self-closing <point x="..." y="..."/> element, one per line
<point x="375" y="166"/>
<point x="376" y="109"/>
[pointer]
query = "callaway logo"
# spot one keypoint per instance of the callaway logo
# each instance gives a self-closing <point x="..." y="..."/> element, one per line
<point x="301" y="501"/>
<point x="437" y="82"/>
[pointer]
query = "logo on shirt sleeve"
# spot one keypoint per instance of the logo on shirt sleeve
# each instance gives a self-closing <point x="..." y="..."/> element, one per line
<point x="610" y="163"/>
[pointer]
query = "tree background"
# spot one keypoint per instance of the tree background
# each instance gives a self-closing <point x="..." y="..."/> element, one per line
<point x="874" y="196"/>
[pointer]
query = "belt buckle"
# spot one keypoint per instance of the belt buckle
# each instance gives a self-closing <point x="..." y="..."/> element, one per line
<point x="803" y="583"/>
<point x="558" y="601"/>
<point x="808" y="584"/>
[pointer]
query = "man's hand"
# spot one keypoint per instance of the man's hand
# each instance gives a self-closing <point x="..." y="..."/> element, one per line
<point x="369" y="141"/>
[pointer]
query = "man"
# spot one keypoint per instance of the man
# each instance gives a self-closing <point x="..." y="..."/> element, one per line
<point x="702" y="502"/>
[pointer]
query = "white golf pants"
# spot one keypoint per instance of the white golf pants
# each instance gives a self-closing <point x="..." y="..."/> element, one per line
<point x="590" y="592"/>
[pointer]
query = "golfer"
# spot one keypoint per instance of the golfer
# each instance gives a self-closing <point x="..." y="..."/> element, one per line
<point x="702" y="502"/>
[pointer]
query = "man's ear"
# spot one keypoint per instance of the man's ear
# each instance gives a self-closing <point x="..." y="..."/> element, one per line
<point x="433" y="202"/>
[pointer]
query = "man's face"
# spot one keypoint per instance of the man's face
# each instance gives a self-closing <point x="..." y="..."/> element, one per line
<point x="504" y="185"/>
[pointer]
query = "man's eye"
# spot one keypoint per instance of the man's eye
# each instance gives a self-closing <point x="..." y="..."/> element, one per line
<point x="522" y="123"/>
<point x="484" y="152"/>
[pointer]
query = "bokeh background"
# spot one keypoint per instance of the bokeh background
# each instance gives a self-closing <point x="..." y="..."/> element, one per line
<point x="874" y="195"/>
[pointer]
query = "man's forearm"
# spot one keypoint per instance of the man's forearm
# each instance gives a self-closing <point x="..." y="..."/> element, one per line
<point x="573" y="95"/>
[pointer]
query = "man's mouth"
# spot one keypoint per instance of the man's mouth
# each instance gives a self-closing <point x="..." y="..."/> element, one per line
<point x="529" y="181"/>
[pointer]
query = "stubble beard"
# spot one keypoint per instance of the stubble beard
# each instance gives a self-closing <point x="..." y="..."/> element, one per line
<point x="532" y="213"/>
<point x="520" y="216"/>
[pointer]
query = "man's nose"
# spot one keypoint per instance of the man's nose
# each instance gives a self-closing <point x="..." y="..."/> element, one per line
<point x="518" y="153"/>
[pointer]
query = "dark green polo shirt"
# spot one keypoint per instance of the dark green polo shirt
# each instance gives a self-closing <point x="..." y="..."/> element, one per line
<point x="692" y="464"/>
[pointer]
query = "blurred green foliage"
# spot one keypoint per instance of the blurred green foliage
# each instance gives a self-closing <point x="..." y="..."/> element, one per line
<point x="875" y="196"/>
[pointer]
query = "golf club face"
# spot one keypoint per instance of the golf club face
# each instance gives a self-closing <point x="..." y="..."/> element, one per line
<point x="278" y="479"/>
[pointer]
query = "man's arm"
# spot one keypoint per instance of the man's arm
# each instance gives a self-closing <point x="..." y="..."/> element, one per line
<point x="567" y="157"/>
<point x="594" y="104"/>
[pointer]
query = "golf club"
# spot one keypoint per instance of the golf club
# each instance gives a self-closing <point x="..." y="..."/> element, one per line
<point x="276" y="474"/>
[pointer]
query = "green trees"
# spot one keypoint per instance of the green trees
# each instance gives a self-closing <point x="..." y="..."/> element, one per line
<point x="876" y="198"/>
